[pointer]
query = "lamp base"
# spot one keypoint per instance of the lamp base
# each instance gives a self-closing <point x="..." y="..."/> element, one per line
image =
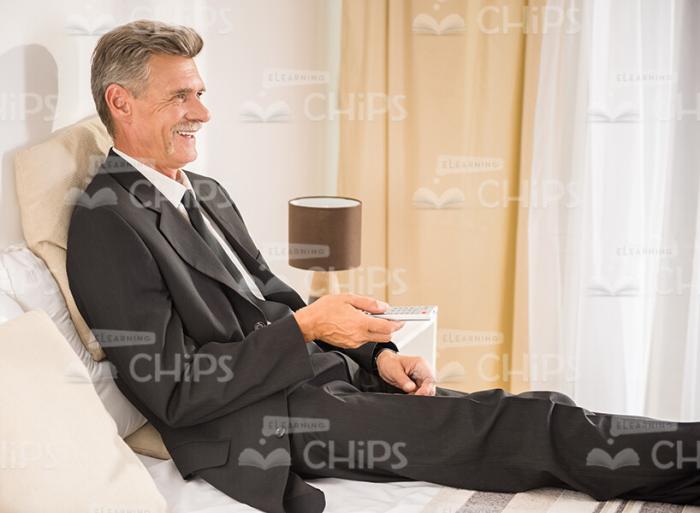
<point x="322" y="284"/>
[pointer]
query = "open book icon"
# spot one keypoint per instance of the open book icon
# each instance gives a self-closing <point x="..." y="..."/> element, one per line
<point x="601" y="289"/>
<point x="252" y="458"/>
<point x="76" y="372"/>
<point x="277" y="112"/>
<point x="78" y="25"/>
<point x="425" y="198"/>
<point x="453" y="371"/>
<point x="625" y="458"/>
<point x="621" y="115"/>
<point x="426" y="24"/>
<point x="102" y="197"/>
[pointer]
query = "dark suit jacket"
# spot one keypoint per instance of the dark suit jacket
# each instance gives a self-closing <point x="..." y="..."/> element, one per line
<point x="167" y="312"/>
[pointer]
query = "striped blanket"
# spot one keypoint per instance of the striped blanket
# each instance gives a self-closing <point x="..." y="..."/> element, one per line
<point x="544" y="500"/>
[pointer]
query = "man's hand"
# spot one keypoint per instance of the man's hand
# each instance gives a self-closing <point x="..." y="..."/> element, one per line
<point x="339" y="320"/>
<point x="409" y="373"/>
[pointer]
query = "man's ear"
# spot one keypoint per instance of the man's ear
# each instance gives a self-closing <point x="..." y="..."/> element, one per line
<point x="118" y="100"/>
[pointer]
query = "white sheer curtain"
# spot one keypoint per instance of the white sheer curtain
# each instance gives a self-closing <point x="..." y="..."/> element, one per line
<point x="613" y="231"/>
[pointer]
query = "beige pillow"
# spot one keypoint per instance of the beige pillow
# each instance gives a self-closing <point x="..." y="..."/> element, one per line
<point x="50" y="177"/>
<point x="60" y="448"/>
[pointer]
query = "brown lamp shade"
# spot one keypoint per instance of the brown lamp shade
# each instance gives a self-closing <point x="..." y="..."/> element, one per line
<point x="324" y="233"/>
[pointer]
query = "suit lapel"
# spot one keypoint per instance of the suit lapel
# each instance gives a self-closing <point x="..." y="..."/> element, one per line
<point x="174" y="227"/>
<point x="193" y="250"/>
<point x="216" y="205"/>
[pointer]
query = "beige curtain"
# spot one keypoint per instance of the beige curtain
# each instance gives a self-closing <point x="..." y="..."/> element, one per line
<point x="435" y="113"/>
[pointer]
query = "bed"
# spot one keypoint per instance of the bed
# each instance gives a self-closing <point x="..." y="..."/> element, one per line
<point x="343" y="496"/>
<point x="34" y="277"/>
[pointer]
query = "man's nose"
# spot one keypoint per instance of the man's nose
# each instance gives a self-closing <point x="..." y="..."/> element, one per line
<point x="199" y="112"/>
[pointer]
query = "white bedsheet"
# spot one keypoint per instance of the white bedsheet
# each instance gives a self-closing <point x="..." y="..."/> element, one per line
<point x="342" y="496"/>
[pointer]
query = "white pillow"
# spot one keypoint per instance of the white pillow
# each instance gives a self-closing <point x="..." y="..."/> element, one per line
<point x="9" y="309"/>
<point x="27" y="280"/>
<point x="61" y="452"/>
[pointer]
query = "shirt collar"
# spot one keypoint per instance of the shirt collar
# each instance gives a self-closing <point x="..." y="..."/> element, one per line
<point x="173" y="190"/>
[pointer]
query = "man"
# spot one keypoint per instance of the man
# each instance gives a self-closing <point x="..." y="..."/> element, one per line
<point x="253" y="390"/>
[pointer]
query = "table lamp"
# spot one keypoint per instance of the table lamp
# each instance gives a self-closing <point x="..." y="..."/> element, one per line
<point x="324" y="236"/>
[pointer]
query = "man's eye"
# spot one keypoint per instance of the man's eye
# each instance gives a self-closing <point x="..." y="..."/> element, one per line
<point x="199" y="94"/>
<point x="181" y="96"/>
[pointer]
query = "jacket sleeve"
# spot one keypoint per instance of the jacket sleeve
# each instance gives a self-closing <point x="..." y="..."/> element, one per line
<point x="364" y="356"/>
<point x="121" y="294"/>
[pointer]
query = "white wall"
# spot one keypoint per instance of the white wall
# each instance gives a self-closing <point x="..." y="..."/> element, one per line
<point x="44" y="85"/>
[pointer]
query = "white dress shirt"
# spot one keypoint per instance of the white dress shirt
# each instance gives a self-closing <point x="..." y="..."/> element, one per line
<point x="174" y="190"/>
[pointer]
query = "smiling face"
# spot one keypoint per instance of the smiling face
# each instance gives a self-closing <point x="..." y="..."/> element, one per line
<point x="158" y="127"/>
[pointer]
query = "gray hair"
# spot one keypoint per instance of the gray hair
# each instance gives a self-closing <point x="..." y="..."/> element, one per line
<point x="121" y="57"/>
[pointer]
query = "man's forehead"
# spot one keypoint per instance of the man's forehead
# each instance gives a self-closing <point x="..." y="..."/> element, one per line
<point x="174" y="71"/>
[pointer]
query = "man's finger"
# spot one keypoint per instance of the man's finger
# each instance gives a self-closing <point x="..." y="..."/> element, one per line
<point x="403" y="380"/>
<point x="427" y="387"/>
<point x="394" y="374"/>
<point x="407" y="385"/>
<point x="366" y="303"/>
<point x="383" y="325"/>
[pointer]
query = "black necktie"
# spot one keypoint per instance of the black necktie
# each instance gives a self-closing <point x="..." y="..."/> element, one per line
<point x="197" y="219"/>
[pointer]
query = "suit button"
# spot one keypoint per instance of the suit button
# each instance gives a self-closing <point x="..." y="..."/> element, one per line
<point x="259" y="325"/>
<point x="280" y="432"/>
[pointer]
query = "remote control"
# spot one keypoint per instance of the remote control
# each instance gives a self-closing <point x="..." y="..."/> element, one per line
<point x="408" y="313"/>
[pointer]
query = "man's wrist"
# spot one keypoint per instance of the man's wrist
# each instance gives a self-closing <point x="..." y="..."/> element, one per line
<point x="306" y="322"/>
<point x="378" y="353"/>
